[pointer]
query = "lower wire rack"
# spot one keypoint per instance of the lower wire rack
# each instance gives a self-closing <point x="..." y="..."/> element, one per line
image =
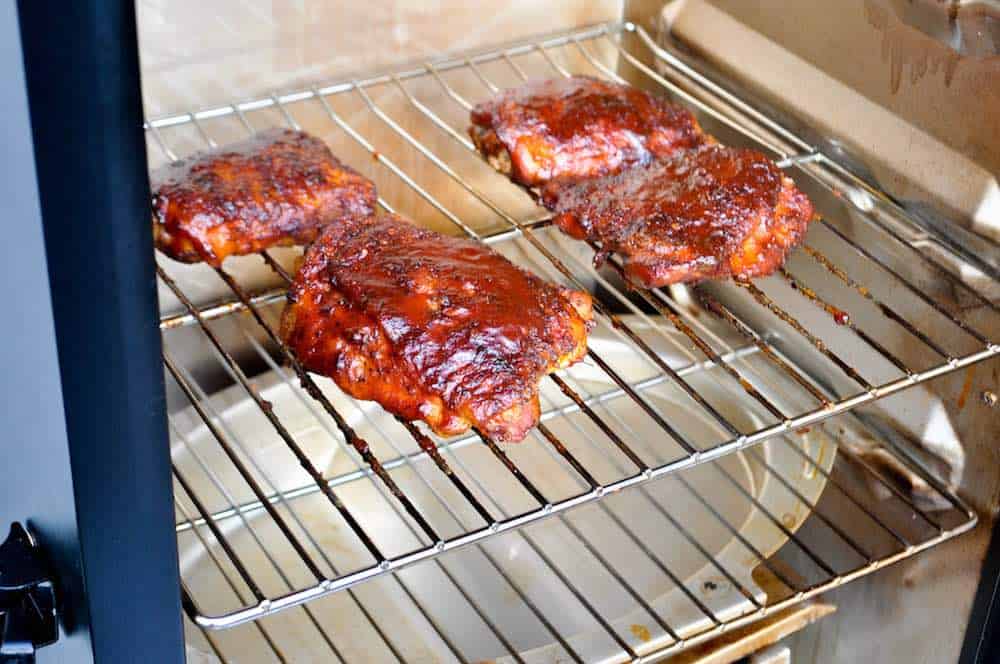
<point x="287" y="491"/>
<point x="637" y="576"/>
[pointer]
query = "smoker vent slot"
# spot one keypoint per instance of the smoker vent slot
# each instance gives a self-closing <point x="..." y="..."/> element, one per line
<point x="295" y="492"/>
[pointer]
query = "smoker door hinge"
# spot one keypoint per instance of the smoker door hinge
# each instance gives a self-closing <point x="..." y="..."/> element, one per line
<point x="28" y="618"/>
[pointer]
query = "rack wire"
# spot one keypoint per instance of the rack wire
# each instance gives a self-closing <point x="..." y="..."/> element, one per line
<point x="753" y="362"/>
<point x="474" y="604"/>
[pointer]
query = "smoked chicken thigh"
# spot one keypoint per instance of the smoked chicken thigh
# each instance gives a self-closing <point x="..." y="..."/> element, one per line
<point x="577" y="127"/>
<point x="705" y="213"/>
<point x="432" y="327"/>
<point x="636" y="175"/>
<point x="280" y="187"/>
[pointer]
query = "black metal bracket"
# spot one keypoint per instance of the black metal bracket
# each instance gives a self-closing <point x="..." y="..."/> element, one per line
<point x="86" y="57"/>
<point x="28" y="617"/>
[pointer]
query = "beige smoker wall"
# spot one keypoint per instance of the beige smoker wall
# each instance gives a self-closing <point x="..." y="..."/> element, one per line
<point x="197" y="53"/>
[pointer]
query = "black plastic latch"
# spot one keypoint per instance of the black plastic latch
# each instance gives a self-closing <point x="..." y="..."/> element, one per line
<point x="28" y="619"/>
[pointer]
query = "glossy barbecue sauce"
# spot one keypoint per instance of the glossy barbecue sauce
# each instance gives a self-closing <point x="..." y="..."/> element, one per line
<point x="449" y="330"/>
<point x="579" y="127"/>
<point x="708" y="212"/>
<point x="278" y="187"/>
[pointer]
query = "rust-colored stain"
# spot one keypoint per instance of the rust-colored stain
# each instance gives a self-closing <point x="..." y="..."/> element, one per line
<point x="899" y="50"/>
<point x="788" y="520"/>
<point x="966" y="387"/>
<point x="641" y="632"/>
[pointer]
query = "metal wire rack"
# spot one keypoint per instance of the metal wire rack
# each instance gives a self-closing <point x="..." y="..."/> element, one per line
<point x="635" y="577"/>
<point x="667" y="385"/>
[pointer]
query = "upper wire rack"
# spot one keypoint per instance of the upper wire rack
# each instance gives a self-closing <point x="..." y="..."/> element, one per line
<point x="777" y="348"/>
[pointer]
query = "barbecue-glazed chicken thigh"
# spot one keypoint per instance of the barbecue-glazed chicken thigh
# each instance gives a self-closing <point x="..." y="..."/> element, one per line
<point x="432" y="327"/>
<point x="280" y="187"/>
<point x="704" y="213"/>
<point x="577" y="127"/>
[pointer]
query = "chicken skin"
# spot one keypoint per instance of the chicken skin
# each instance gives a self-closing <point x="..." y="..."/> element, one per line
<point x="280" y="187"/>
<point x="433" y="328"/>
<point x="705" y="213"/>
<point x="576" y="128"/>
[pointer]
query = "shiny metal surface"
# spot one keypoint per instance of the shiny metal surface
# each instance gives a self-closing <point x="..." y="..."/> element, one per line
<point x="701" y="538"/>
<point x="410" y="126"/>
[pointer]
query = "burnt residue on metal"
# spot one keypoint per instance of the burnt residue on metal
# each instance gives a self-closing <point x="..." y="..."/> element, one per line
<point x="723" y="311"/>
<point x="842" y="318"/>
<point x="965" y="327"/>
<point x="839" y="316"/>
<point x="963" y="396"/>
<point x="639" y="401"/>
<point x="241" y="467"/>
<point x="564" y="453"/>
<point x="653" y="355"/>
<point x="217" y="533"/>
<point x="703" y="346"/>
<point x="313" y="390"/>
<point x="275" y="422"/>
<point x="816" y="342"/>
<point x="428" y="446"/>
<point x="885" y="309"/>
<point x="599" y="423"/>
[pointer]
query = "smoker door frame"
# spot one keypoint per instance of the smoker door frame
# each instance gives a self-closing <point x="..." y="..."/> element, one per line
<point x="96" y="488"/>
<point x="982" y="634"/>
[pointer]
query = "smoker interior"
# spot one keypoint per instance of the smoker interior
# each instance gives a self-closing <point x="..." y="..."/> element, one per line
<point x="690" y="414"/>
<point x="638" y="575"/>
